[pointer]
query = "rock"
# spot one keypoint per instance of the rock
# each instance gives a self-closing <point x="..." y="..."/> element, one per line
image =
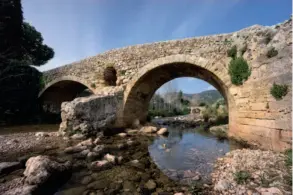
<point x="77" y="136"/>
<point x="119" y="159"/>
<point x="100" y="150"/>
<point x="91" y="114"/>
<point x="128" y="186"/>
<point x="121" y="146"/>
<point x="162" y="131"/>
<point x="101" y="165"/>
<point x="22" y="190"/>
<point x="122" y="134"/>
<point x="12" y="141"/>
<point x="222" y="185"/>
<point x="74" y="149"/>
<point x="91" y="156"/>
<point x="86" y="180"/>
<point x="110" y="158"/>
<point x="222" y="128"/>
<point x="100" y="184"/>
<point x="148" y="129"/>
<point x="41" y="134"/>
<point x="150" y="185"/>
<point x="97" y="140"/>
<point x="70" y="191"/>
<point x="85" y="152"/>
<point x="88" y="142"/>
<point x="40" y="169"/>
<point x="270" y="191"/>
<point x="7" y="167"/>
<point x="136" y="124"/>
<point x="132" y="131"/>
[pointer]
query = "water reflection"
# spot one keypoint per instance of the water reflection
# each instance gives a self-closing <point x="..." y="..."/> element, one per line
<point x="185" y="154"/>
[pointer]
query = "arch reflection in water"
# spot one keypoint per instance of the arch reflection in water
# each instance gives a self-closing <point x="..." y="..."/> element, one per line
<point x="187" y="155"/>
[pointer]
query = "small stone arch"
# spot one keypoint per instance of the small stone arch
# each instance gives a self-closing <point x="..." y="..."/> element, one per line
<point x="63" y="89"/>
<point x="142" y="87"/>
<point x="65" y="78"/>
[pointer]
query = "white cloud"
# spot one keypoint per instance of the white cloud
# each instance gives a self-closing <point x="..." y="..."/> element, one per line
<point x="210" y="87"/>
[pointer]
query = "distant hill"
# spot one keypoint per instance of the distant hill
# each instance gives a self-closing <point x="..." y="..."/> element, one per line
<point x="209" y="96"/>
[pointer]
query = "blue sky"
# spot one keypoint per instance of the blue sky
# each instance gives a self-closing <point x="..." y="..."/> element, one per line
<point x="77" y="29"/>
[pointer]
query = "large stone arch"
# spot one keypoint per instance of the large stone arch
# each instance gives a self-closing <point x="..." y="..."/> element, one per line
<point x="63" y="89"/>
<point x="142" y="87"/>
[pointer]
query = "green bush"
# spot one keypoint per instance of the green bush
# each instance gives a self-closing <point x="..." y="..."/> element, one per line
<point x="122" y="72"/>
<point x="272" y="52"/>
<point x="279" y="91"/>
<point x="232" y="52"/>
<point x="241" y="177"/>
<point x="42" y="82"/>
<point x="93" y="85"/>
<point x="239" y="70"/>
<point x="288" y="154"/>
<point x="202" y="104"/>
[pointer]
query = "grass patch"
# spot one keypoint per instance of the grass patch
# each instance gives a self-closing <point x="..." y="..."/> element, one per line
<point x="241" y="177"/>
<point x="196" y="188"/>
<point x="279" y="91"/>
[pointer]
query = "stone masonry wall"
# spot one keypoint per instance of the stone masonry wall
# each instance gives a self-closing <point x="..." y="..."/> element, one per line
<point x="255" y="115"/>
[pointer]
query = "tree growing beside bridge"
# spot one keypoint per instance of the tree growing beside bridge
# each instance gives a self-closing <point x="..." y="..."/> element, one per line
<point x="21" y="46"/>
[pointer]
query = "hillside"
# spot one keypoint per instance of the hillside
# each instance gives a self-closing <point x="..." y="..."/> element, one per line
<point x="209" y="96"/>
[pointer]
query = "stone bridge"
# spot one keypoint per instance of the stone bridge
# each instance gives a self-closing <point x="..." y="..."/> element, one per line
<point x="254" y="115"/>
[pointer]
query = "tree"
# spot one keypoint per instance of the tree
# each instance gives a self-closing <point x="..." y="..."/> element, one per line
<point x="21" y="46"/>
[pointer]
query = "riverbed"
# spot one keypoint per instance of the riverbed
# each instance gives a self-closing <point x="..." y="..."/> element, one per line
<point x="150" y="165"/>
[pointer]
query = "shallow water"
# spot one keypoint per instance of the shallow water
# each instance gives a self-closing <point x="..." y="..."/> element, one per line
<point x="187" y="152"/>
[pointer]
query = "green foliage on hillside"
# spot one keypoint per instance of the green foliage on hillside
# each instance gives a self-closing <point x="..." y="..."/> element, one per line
<point x="279" y="91"/>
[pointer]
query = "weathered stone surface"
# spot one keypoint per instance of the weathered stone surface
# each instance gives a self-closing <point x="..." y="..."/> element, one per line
<point x="40" y="169"/>
<point x="89" y="115"/>
<point x="110" y="158"/>
<point x="101" y="165"/>
<point x="201" y="57"/>
<point x="162" y="131"/>
<point x="263" y="167"/>
<point x="22" y="190"/>
<point x="150" y="185"/>
<point x="149" y="129"/>
<point x="215" y="129"/>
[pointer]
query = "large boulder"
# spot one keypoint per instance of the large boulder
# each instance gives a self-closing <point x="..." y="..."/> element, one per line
<point x="41" y="169"/>
<point x="42" y="175"/>
<point x="90" y="115"/>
